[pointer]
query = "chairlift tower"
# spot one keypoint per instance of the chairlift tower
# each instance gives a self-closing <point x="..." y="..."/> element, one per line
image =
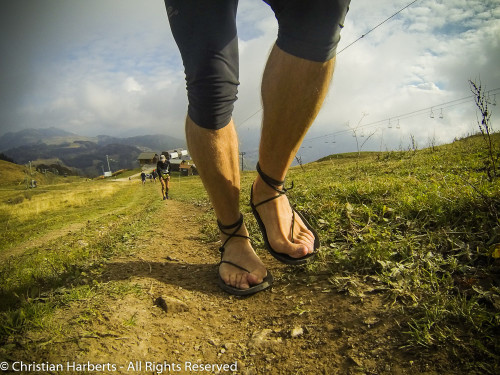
<point x="109" y="168"/>
<point x="242" y="154"/>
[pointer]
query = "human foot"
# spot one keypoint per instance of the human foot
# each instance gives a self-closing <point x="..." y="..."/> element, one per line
<point x="287" y="235"/>
<point x="241" y="271"/>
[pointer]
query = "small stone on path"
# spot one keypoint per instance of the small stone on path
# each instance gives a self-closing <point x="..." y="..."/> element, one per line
<point x="297" y="331"/>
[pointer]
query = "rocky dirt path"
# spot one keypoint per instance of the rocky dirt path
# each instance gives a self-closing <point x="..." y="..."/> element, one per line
<point x="182" y="320"/>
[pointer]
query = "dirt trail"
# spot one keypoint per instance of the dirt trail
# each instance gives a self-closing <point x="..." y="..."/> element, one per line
<point x="301" y="326"/>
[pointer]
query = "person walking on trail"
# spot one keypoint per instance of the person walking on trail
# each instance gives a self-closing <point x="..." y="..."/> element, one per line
<point x="143" y="178"/>
<point x="155" y="175"/>
<point x="163" y="168"/>
<point x="294" y="84"/>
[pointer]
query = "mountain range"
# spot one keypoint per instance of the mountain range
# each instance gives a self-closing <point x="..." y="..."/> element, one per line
<point x="87" y="155"/>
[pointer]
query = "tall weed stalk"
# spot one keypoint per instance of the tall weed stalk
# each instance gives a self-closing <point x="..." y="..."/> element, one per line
<point x="484" y="123"/>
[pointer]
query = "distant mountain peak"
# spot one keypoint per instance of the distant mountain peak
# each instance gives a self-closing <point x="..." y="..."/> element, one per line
<point x="31" y="136"/>
<point x="85" y="153"/>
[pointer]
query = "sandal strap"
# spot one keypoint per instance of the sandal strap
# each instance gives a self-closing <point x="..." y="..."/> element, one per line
<point x="234" y="265"/>
<point x="274" y="184"/>
<point x="236" y="226"/>
<point x="271" y="182"/>
<point x="267" y="179"/>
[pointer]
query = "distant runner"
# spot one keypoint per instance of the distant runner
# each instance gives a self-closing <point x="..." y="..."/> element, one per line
<point x="163" y="169"/>
<point x="143" y="178"/>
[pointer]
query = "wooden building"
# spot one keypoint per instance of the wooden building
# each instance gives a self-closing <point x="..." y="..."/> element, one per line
<point x="148" y="158"/>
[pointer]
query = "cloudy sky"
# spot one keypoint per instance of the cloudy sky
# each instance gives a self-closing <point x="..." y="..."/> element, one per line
<point x="111" y="67"/>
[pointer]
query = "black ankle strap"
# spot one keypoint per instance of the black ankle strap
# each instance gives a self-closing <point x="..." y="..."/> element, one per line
<point x="236" y="226"/>
<point x="271" y="182"/>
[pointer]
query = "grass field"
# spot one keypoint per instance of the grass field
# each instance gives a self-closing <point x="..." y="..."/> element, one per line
<point x="420" y="226"/>
<point x="426" y="226"/>
<point x="61" y="231"/>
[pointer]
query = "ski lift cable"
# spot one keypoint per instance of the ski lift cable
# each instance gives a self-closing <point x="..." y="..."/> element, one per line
<point x="404" y="116"/>
<point x="380" y="24"/>
<point x="343" y="49"/>
<point x="419" y="112"/>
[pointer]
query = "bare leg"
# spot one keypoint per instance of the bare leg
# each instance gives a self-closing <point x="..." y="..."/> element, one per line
<point x="162" y="182"/>
<point x="293" y="90"/>
<point x="167" y="186"/>
<point x="215" y="153"/>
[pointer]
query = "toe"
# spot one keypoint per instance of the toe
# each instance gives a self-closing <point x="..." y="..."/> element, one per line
<point x="242" y="282"/>
<point x="305" y="237"/>
<point x="305" y="240"/>
<point x="308" y="247"/>
<point x="253" y="279"/>
<point x="298" y="250"/>
<point x="232" y="280"/>
<point x="238" y="279"/>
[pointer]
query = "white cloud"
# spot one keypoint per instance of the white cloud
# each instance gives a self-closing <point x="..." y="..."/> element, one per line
<point x="131" y="85"/>
<point x="421" y="58"/>
<point x="94" y="67"/>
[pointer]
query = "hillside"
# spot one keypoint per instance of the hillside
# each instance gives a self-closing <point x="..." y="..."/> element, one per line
<point x="156" y="142"/>
<point x="55" y="136"/>
<point x="11" y="174"/>
<point x="17" y="177"/>
<point x="31" y="136"/>
<point x="87" y="155"/>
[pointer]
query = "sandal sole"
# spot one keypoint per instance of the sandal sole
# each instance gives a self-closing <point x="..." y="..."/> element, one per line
<point x="265" y="284"/>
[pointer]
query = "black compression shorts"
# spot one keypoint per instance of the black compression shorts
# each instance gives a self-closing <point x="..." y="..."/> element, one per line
<point x="205" y="32"/>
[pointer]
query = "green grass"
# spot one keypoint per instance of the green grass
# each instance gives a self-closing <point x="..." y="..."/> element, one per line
<point x="421" y="226"/>
<point x="126" y="173"/>
<point x="35" y="282"/>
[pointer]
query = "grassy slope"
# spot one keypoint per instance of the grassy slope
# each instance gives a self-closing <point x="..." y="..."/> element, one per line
<point x="109" y="213"/>
<point x="10" y="173"/>
<point x="421" y="226"/>
<point x="425" y="225"/>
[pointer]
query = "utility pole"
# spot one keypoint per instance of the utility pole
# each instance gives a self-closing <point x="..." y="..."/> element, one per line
<point x="28" y="176"/>
<point x="109" y="168"/>
<point x="242" y="154"/>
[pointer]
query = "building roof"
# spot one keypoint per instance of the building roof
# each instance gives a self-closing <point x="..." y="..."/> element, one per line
<point x="146" y="155"/>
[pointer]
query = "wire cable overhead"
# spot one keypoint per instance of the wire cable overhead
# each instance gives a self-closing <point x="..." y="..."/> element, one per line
<point x="380" y="24"/>
<point x="343" y="49"/>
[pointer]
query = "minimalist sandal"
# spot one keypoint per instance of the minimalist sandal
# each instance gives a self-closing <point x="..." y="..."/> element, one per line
<point x="266" y="283"/>
<point x="281" y="191"/>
